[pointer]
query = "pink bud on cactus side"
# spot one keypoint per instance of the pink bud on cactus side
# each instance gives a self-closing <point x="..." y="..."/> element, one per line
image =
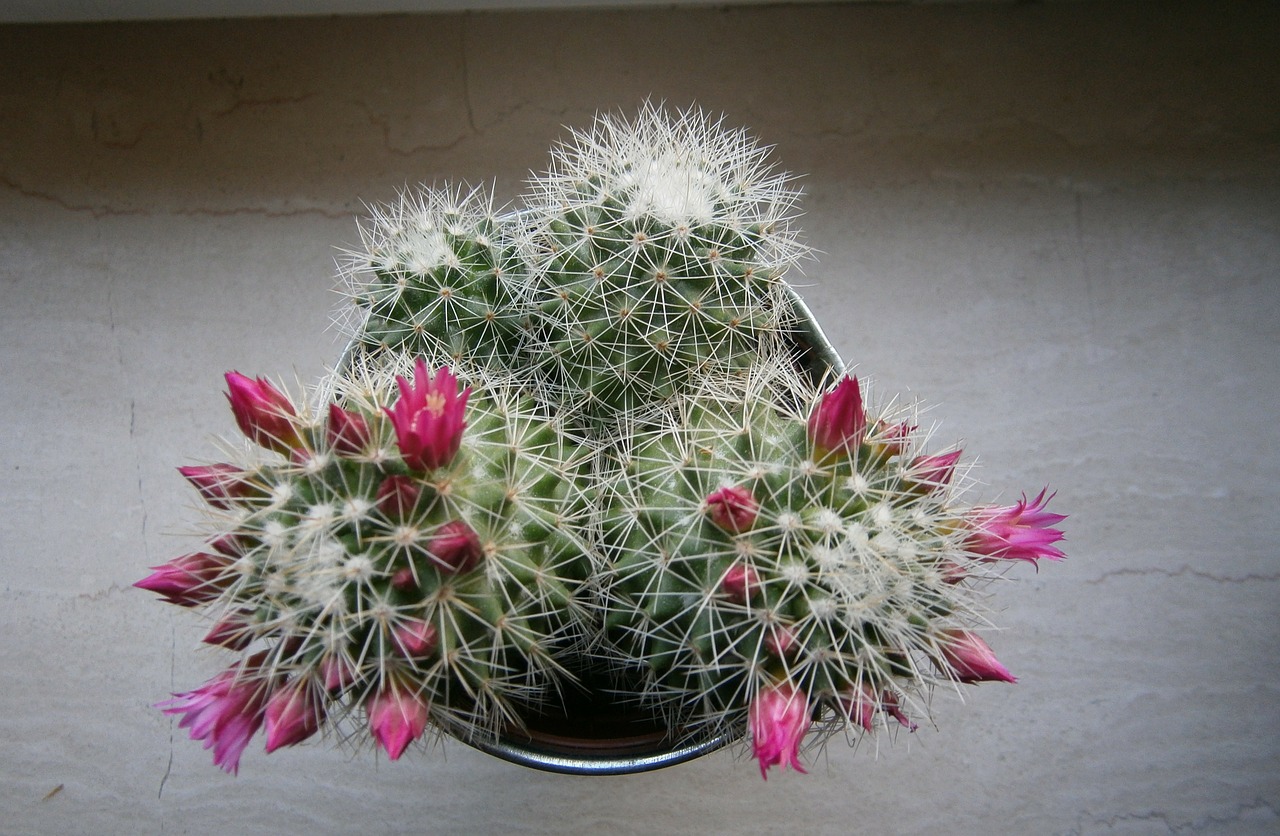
<point x="347" y="432"/>
<point x="733" y="509"/>
<point x="294" y="713"/>
<point x="397" y="495"/>
<point x="265" y="415"/>
<point x="189" y="580"/>
<point x="1022" y="531"/>
<point x="396" y="719"/>
<point x="893" y="439"/>
<point x="779" y="718"/>
<point x="336" y="673"/>
<point x="225" y="713"/>
<point x="221" y="485"/>
<point x="455" y="547"/>
<point x="414" y="638"/>
<point x="890" y="704"/>
<point x="861" y="704"/>
<point x="428" y="418"/>
<point x="232" y="631"/>
<point x="780" y="640"/>
<point x="839" y="421"/>
<point x="934" y="472"/>
<point x="970" y="659"/>
<point x="739" y="582"/>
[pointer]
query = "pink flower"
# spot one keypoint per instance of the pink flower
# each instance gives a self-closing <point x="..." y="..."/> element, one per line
<point x="396" y="719"/>
<point x="347" y="432"/>
<point x="934" y="471"/>
<point x="294" y="713"/>
<point x="779" y="718"/>
<point x="734" y="509"/>
<point x="336" y="673"/>
<point x="970" y="659"/>
<point x="414" y="638"/>
<point x="221" y="485"/>
<point x="188" y="581"/>
<point x="839" y="420"/>
<point x="232" y="631"/>
<point x="861" y="704"/>
<point x="780" y="640"/>
<point x="428" y="418"/>
<point x="739" y="582"/>
<point x="225" y="713"/>
<point x="263" y="412"/>
<point x="455" y="547"/>
<point x="893" y="439"/>
<point x="1022" y="531"/>
<point x="889" y="703"/>
<point x="397" y="496"/>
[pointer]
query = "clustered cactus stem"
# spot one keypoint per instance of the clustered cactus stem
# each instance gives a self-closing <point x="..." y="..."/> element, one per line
<point x="584" y="434"/>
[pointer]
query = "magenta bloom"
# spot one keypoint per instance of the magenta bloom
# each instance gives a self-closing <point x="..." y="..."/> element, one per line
<point x="263" y="412"/>
<point x="221" y="485"/>
<point x="455" y="547"/>
<point x="779" y="718"/>
<point x="396" y="719"/>
<point x="187" y="581"/>
<point x="734" y="509"/>
<point x="414" y="638"/>
<point x="839" y="420"/>
<point x="232" y="631"/>
<point x="347" y="432"/>
<point x="934" y="471"/>
<point x="1022" y="531"/>
<point x="971" y="659"/>
<point x="397" y="496"/>
<point x="225" y="713"/>
<point x="428" y="418"/>
<point x="294" y="713"/>
<point x="739" y="582"/>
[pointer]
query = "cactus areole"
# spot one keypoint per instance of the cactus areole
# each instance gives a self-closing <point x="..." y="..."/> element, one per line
<point x="590" y="491"/>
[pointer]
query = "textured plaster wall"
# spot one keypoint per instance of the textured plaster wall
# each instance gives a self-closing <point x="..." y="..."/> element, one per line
<point x="1060" y="224"/>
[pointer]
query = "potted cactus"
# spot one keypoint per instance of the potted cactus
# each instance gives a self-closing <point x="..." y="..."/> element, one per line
<point x="589" y="490"/>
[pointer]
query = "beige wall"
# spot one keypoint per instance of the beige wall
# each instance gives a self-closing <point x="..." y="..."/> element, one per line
<point x="1060" y="224"/>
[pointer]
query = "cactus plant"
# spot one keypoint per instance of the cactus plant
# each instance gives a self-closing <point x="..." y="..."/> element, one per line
<point x="414" y="556"/>
<point x="649" y="470"/>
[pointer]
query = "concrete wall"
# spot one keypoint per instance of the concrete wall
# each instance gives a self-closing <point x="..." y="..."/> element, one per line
<point x="1058" y="223"/>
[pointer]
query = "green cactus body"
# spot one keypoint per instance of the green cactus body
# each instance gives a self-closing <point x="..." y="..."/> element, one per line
<point x="658" y="249"/>
<point x="846" y="560"/>
<point x="439" y="277"/>
<point x="332" y="576"/>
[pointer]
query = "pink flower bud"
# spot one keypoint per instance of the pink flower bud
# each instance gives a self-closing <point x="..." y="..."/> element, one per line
<point x="293" y="714"/>
<point x="188" y="581"/>
<point x="889" y="703"/>
<point x="734" y="509"/>
<point x="348" y="432"/>
<point x="225" y="712"/>
<point x="1022" y="531"/>
<point x="455" y="547"/>
<point x="428" y="418"/>
<point x="970" y="659"/>
<point x="232" y="631"/>
<point x="414" y="638"/>
<point x="396" y="719"/>
<point x="934" y="472"/>
<point x="839" y="420"/>
<point x="263" y="412"/>
<point x="779" y="718"/>
<point x="397" y="496"/>
<point x="893" y="439"/>
<point x="221" y="485"/>
<point x="739" y="582"/>
<point x="780" y="640"/>
<point x="336" y="673"/>
<point x="404" y="579"/>
<point x="861" y="704"/>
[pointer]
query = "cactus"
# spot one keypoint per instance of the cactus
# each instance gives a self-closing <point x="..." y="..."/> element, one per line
<point x="437" y="277"/>
<point x="658" y="248"/>
<point x="648" y="471"/>
<point x="757" y="549"/>
<point x="386" y="557"/>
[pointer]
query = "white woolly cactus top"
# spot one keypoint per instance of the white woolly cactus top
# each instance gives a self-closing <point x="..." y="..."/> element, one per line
<point x="589" y="439"/>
